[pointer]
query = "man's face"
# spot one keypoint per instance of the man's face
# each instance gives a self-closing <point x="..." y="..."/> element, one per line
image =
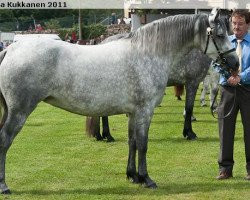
<point x="240" y="27"/>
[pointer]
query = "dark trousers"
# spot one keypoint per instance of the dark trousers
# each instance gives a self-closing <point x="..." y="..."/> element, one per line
<point x="235" y="98"/>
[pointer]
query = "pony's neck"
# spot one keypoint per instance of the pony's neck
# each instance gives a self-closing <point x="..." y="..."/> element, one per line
<point x="170" y="36"/>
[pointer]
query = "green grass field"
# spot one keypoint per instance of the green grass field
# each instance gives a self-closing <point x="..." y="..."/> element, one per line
<point x="52" y="158"/>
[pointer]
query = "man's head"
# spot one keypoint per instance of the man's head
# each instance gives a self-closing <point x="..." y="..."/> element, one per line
<point x="240" y="22"/>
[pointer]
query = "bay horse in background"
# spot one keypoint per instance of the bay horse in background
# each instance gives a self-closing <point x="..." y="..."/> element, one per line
<point x="184" y="74"/>
<point x="126" y="76"/>
<point x="178" y="91"/>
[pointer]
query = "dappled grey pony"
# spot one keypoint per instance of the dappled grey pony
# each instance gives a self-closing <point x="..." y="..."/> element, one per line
<point x="124" y="76"/>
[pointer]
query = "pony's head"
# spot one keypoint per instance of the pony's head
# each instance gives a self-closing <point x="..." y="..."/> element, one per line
<point x="175" y="36"/>
<point x="218" y="45"/>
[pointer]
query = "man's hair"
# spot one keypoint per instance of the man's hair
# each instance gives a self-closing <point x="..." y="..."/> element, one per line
<point x="242" y="13"/>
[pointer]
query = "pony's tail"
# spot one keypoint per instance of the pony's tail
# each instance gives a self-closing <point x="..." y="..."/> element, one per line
<point x="3" y="105"/>
<point x="92" y="126"/>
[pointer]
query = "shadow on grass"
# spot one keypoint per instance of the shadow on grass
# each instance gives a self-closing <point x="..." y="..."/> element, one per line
<point x="167" y="113"/>
<point x="181" y="139"/>
<point x="166" y="189"/>
<point x="181" y="120"/>
<point x="166" y="121"/>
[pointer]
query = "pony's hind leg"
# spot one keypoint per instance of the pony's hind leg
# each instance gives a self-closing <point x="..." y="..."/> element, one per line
<point x="10" y="129"/>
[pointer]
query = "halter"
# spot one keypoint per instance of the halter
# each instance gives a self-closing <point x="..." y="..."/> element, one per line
<point x="220" y="55"/>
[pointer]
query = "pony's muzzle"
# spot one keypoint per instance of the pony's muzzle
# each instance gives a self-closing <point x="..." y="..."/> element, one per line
<point x="232" y="63"/>
<point x="236" y="67"/>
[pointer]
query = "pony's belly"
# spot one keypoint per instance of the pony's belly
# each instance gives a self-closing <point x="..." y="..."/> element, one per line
<point x="92" y="108"/>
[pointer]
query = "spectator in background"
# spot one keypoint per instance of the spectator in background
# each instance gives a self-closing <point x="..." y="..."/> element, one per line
<point x="73" y="37"/>
<point x="39" y="28"/>
<point x="113" y="18"/>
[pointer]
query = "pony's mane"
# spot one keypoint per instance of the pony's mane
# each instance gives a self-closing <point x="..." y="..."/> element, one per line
<point x="115" y="37"/>
<point x="170" y="34"/>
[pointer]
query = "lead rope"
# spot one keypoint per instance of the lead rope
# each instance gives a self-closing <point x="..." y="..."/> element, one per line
<point x="215" y="96"/>
<point x="229" y="113"/>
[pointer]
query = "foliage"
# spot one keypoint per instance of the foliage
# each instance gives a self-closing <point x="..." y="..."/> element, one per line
<point x="89" y="32"/>
<point x="62" y="21"/>
<point x="8" y="26"/>
<point x="62" y="32"/>
<point x="52" y="24"/>
<point x="52" y="158"/>
<point x="93" y="31"/>
<point x="5" y="15"/>
<point x="43" y="15"/>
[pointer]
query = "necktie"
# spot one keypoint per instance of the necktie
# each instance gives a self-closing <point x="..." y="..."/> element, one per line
<point x="239" y="54"/>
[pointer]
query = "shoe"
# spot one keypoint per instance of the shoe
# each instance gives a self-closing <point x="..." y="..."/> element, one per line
<point x="225" y="175"/>
<point x="247" y="177"/>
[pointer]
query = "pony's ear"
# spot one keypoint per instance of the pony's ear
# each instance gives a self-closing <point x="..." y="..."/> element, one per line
<point x="212" y="17"/>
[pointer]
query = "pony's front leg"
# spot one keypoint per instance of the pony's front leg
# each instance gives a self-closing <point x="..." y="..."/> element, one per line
<point x="142" y="127"/>
<point x="131" y="168"/>
<point x="191" y="90"/>
<point x="4" y="188"/>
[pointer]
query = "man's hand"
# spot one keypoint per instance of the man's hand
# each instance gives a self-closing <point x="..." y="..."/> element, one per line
<point x="234" y="80"/>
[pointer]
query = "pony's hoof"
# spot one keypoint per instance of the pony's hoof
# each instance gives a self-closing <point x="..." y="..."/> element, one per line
<point x="191" y="137"/>
<point x="110" y="139"/>
<point x="147" y="182"/>
<point x="133" y="178"/>
<point x="6" y="192"/>
<point x="99" y="138"/>
<point x="152" y="186"/>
